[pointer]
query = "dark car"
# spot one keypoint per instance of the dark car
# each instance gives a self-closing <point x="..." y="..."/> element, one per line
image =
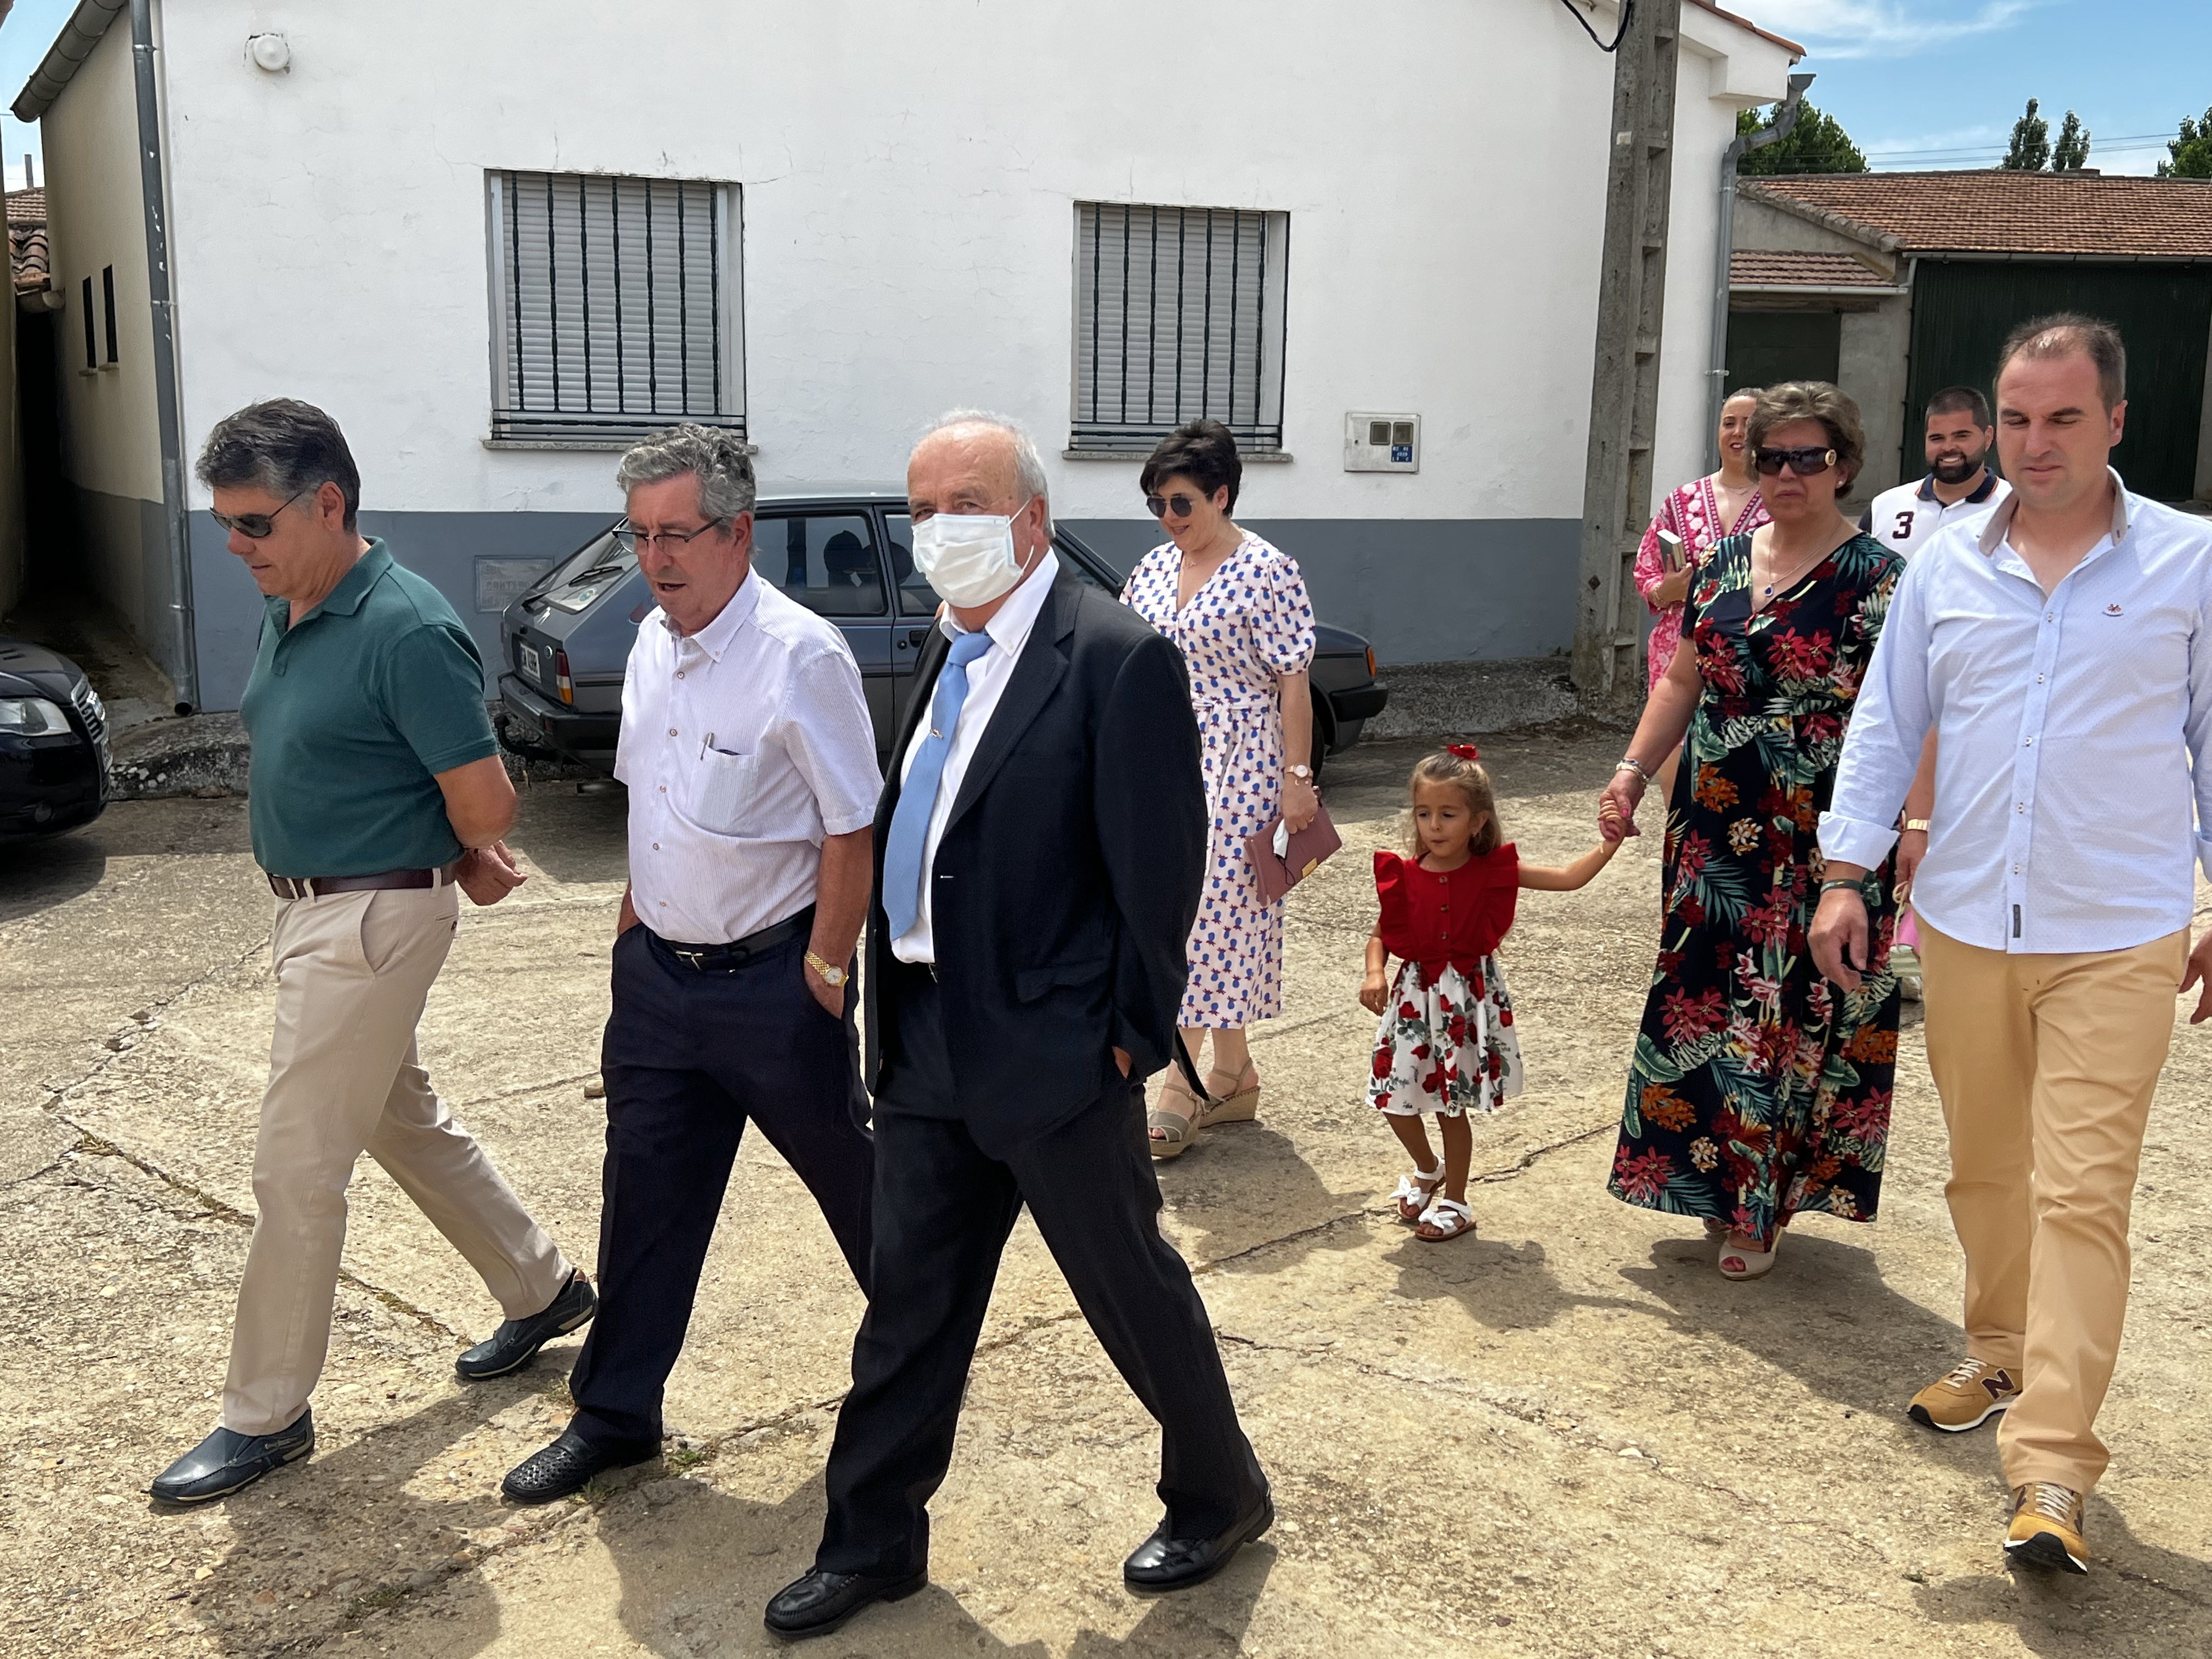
<point x="846" y="554"/>
<point x="53" y="742"/>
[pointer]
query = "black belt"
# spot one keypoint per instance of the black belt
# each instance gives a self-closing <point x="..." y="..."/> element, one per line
<point x="308" y="887"/>
<point x="723" y="958"/>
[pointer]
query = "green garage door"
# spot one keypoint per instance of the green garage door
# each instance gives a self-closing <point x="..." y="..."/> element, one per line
<point x="1765" y="347"/>
<point x="1962" y="311"/>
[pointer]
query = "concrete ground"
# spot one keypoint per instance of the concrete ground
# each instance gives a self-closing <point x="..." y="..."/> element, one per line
<point x="1566" y="1436"/>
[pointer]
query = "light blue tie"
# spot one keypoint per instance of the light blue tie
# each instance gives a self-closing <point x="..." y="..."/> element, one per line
<point x="917" y="795"/>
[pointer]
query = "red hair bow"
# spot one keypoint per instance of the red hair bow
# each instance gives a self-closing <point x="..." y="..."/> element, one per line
<point x="1466" y="751"/>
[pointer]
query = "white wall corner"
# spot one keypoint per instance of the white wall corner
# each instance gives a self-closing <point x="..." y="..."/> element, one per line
<point x="1744" y="69"/>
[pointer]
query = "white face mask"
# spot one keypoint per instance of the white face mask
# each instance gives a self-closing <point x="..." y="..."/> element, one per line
<point x="967" y="557"/>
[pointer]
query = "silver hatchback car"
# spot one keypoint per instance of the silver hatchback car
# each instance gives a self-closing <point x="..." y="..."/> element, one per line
<point x="846" y="553"/>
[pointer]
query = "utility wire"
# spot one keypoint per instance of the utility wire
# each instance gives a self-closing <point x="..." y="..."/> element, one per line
<point x="1627" y="12"/>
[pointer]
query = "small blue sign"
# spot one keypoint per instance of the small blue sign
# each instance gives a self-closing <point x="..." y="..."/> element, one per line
<point x="1401" y="454"/>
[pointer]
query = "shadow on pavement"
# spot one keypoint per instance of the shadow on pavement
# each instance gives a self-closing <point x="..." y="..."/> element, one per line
<point x="2101" y="1614"/>
<point x="698" y="1565"/>
<point x="348" y="1518"/>
<point x="37" y="874"/>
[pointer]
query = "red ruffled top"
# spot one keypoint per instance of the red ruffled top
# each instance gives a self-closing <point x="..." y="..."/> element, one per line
<point x="1459" y="916"/>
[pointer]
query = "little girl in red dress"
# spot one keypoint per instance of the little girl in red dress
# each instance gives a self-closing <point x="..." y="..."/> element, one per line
<point x="1445" y="1046"/>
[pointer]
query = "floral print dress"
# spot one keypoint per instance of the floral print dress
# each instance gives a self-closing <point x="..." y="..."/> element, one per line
<point x="1445" y="1044"/>
<point x="1758" y="1089"/>
<point x="1693" y="512"/>
<point x="1250" y="624"/>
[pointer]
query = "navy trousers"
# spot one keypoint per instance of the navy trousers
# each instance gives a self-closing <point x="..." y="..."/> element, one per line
<point x="944" y="1207"/>
<point x="688" y="1057"/>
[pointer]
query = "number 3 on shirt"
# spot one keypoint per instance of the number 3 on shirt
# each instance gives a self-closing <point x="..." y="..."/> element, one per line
<point x="1904" y="531"/>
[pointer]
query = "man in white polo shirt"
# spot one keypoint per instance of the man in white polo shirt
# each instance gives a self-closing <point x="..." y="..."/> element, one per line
<point x="751" y="768"/>
<point x="1958" y="484"/>
<point x="2062" y="647"/>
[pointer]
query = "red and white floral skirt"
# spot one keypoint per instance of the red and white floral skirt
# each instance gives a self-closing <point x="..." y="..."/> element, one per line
<point x="1445" y="1047"/>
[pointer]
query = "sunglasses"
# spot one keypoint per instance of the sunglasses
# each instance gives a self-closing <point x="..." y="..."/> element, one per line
<point x="1805" y="463"/>
<point x="1160" y="506"/>
<point x="254" y="526"/>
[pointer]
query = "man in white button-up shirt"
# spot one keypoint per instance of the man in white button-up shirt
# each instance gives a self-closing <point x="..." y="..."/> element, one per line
<point x="2062" y="649"/>
<point x="751" y="767"/>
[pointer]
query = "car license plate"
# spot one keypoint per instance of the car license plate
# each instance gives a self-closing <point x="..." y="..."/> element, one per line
<point x="526" y="655"/>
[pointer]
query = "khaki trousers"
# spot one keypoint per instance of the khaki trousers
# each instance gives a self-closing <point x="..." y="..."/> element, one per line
<point x="353" y="971"/>
<point x="2046" y="1065"/>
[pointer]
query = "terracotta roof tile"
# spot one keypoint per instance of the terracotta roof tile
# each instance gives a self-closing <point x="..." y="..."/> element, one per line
<point x="1792" y="267"/>
<point x="27" y="207"/>
<point x="27" y="252"/>
<point x="1998" y="212"/>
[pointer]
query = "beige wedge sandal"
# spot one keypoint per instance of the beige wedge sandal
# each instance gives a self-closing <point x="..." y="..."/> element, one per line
<point x="1170" y="1133"/>
<point x="1240" y="1104"/>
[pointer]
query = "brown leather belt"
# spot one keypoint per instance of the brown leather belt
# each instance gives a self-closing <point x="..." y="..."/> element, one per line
<point x="308" y="887"/>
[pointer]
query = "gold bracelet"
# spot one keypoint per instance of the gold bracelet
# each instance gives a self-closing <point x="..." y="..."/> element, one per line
<point x="1921" y="825"/>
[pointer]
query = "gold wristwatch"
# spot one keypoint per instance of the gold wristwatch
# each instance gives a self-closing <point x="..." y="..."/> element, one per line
<point x="1921" y="825"/>
<point x="832" y="976"/>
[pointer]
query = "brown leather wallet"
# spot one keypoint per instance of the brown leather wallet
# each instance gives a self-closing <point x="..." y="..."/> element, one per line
<point x="305" y="887"/>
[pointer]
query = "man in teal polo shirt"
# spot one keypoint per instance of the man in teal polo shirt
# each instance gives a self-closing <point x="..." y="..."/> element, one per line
<point x="377" y="791"/>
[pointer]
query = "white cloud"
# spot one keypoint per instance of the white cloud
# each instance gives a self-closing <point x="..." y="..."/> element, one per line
<point x="1885" y="28"/>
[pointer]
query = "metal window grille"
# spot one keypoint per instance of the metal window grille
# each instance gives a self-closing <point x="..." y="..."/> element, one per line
<point x="1178" y="314"/>
<point x="616" y="307"/>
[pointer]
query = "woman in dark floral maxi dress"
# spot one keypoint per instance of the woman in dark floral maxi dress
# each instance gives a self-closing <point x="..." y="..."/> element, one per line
<point x="1758" y="1090"/>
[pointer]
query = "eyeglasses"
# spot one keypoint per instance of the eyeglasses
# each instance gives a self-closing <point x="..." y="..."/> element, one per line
<point x="666" y="541"/>
<point x="1805" y="463"/>
<point x="254" y="526"/>
<point x="1160" y="506"/>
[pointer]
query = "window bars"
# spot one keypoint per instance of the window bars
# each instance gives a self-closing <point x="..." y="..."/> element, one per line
<point x="1178" y="314"/>
<point x="615" y="307"/>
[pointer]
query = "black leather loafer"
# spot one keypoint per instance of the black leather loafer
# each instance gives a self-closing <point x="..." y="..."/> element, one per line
<point x="227" y="1460"/>
<point x="1162" y="1563"/>
<point x="821" y="1602"/>
<point x="568" y="1465"/>
<point x="516" y="1342"/>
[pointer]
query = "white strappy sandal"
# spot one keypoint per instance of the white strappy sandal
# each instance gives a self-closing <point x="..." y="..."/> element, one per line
<point x="1416" y="1192"/>
<point x="1450" y="1218"/>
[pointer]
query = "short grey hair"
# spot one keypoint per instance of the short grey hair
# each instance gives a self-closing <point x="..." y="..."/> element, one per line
<point x="1028" y="464"/>
<point x="283" y="447"/>
<point x="716" y="456"/>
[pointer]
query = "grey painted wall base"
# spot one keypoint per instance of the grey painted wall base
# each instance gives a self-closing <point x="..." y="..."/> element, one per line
<point x="1421" y="590"/>
<point x="121" y="551"/>
<point x="453" y="549"/>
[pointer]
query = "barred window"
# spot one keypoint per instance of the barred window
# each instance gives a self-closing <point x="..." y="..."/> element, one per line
<point x="617" y="307"/>
<point x="1178" y="314"/>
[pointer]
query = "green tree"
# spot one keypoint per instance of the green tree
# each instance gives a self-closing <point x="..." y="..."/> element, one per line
<point x="1817" y="143"/>
<point x="2072" y="149"/>
<point x="2031" y="143"/>
<point x="2192" y="153"/>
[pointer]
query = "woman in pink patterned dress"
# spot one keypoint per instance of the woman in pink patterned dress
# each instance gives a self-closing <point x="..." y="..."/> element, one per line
<point x="1702" y="512"/>
<point x="1237" y="608"/>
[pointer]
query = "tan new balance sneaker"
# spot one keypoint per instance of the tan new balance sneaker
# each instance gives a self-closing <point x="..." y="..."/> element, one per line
<point x="1973" y="1393"/>
<point x="2046" y="1528"/>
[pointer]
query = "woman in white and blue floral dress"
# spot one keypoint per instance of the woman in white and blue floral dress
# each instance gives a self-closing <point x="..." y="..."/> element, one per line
<point x="1237" y="608"/>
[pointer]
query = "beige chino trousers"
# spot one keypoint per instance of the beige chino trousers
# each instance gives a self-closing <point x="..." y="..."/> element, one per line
<point x="353" y="971"/>
<point x="2046" y="1065"/>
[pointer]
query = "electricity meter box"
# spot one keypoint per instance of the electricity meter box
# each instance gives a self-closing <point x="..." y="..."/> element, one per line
<point x="1377" y="442"/>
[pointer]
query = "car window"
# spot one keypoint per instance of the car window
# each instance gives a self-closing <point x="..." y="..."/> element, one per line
<point x="585" y="574"/>
<point x="825" y="561"/>
<point x="916" y="597"/>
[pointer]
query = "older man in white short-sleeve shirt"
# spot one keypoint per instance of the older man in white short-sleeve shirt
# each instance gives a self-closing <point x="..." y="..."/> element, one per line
<point x="751" y="769"/>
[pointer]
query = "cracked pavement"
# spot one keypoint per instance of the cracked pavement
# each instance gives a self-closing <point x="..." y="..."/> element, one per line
<point x="1563" y="1436"/>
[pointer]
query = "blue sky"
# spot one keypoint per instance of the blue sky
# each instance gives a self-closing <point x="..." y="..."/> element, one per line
<point x="1920" y="84"/>
<point x="1938" y="83"/>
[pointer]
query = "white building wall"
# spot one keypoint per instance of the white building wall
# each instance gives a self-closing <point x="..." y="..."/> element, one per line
<point x="110" y="437"/>
<point x="909" y="175"/>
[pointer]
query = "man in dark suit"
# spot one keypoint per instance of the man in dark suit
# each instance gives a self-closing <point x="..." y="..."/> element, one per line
<point x="1040" y="845"/>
